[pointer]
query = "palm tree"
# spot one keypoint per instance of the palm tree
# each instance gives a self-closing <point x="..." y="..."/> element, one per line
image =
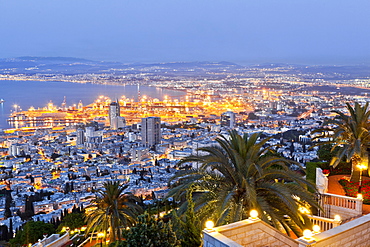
<point x="111" y="210"/>
<point x="238" y="176"/>
<point x="350" y="134"/>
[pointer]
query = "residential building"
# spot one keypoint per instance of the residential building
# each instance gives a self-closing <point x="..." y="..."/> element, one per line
<point x="114" y="114"/>
<point x="228" y="119"/>
<point x="150" y="131"/>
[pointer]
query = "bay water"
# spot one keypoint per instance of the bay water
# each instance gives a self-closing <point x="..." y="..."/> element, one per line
<point x="24" y="94"/>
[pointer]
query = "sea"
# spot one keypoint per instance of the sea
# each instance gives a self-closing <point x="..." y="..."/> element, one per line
<point x="21" y="95"/>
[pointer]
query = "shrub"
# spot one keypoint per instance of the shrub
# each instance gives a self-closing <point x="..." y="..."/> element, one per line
<point x="351" y="189"/>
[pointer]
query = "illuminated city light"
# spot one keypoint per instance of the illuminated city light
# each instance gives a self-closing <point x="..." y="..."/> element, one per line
<point x="210" y="224"/>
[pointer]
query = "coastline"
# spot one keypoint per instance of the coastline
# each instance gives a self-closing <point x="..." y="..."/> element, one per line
<point x="23" y="94"/>
<point x="91" y="82"/>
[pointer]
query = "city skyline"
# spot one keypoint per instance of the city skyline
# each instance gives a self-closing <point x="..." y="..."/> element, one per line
<point x="304" y="32"/>
<point x="228" y="123"/>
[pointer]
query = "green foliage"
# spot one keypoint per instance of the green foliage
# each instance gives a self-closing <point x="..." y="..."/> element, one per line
<point x="311" y="170"/>
<point x="236" y="177"/>
<point x="73" y="221"/>
<point x="188" y="229"/>
<point x="8" y="202"/>
<point x="149" y="232"/>
<point x="112" y="209"/>
<point x="343" y="168"/>
<point x="192" y="231"/>
<point x="352" y="189"/>
<point x="293" y="134"/>
<point x="326" y="153"/>
<point x="252" y="116"/>
<point x="32" y="231"/>
<point x="350" y="135"/>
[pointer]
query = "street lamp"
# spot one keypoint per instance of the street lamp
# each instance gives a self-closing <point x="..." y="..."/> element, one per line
<point x="307" y="234"/>
<point x="361" y="167"/>
<point x="210" y="225"/>
<point x="337" y="218"/>
<point x="316" y="229"/>
<point x="253" y="214"/>
<point x="101" y="235"/>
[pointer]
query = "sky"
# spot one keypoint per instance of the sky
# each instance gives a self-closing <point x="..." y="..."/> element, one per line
<point x="145" y="31"/>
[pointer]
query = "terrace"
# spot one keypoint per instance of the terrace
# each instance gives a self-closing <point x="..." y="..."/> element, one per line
<point x="345" y="221"/>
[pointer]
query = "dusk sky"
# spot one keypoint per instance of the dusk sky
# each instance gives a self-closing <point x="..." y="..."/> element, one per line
<point x="241" y="31"/>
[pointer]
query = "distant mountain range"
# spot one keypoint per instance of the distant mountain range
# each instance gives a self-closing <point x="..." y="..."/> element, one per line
<point x="71" y="65"/>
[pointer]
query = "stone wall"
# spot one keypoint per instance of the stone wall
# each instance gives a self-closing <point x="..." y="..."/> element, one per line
<point x="216" y="239"/>
<point x="344" y="213"/>
<point x="346" y="207"/>
<point x="248" y="233"/>
<point x="60" y="241"/>
<point x="354" y="233"/>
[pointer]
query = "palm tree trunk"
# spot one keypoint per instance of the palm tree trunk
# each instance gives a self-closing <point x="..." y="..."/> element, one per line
<point x="355" y="173"/>
<point x="365" y="161"/>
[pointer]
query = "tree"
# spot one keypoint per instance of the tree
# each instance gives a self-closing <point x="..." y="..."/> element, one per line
<point x="32" y="231"/>
<point x="148" y="232"/>
<point x="10" y="232"/>
<point x="187" y="228"/>
<point x="73" y="221"/>
<point x="8" y="202"/>
<point x="350" y="135"/>
<point x="29" y="209"/>
<point x="192" y="231"/>
<point x="67" y="188"/>
<point x="252" y="116"/>
<point x="325" y="153"/>
<point x="236" y="177"/>
<point x="4" y="233"/>
<point x="112" y="209"/>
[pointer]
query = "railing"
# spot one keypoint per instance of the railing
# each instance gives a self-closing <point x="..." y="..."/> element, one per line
<point x="332" y="202"/>
<point x="53" y="240"/>
<point x="324" y="223"/>
<point x="342" y="201"/>
<point x="85" y="242"/>
<point x="60" y="241"/>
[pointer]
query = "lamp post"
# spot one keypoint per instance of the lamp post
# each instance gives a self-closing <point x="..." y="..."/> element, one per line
<point x="101" y="235"/>
<point x="210" y="225"/>
<point x="361" y="167"/>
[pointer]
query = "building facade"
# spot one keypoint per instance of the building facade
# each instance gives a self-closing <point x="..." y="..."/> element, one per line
<point x="151" y="131"/>
<point x="228" y="119"/>
<point x="114" y="115"/>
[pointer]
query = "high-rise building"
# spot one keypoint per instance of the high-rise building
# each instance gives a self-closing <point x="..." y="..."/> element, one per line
<point x="19" y="149"/>
<point x="80" y="136"/>
<point x="114" y="114"/>
<point x="93" y="138"/>
<point x="121" y="122"/>
<point x="228" y="119"/>
<point x="151" y="131"/>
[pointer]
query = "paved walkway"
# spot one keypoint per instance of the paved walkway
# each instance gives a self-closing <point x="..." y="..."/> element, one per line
<point x="335" y="188"/>
<point x="92" y="243"/>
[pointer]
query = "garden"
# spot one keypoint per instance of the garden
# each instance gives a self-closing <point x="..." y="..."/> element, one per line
<point x="352" y="188"/>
